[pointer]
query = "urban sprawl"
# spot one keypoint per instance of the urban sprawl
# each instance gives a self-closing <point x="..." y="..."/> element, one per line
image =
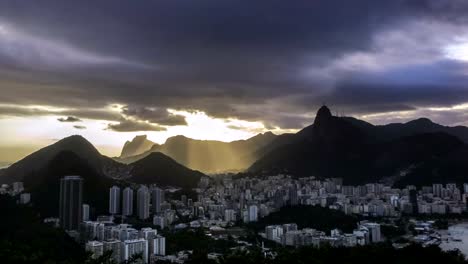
<point x="221" y="203"/>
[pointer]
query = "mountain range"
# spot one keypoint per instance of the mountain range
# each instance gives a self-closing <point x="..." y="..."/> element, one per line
<point x="269" y="152"/>
<point x="209" y="156"/>
<point x="418" y="152"/>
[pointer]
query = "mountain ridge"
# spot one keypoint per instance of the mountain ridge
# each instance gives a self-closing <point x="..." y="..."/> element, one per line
<point x="101" y="165"/>
<point x="209" y="156"/>
<point x="360" y="152"/>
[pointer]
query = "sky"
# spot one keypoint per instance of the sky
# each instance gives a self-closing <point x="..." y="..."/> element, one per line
<point x="223" y="69"/>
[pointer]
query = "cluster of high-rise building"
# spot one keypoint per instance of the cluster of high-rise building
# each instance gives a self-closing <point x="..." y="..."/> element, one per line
<point x="227" y="200"/>
<point x="247" y="199"/>
<point x="147" y="200"/>
<point x="123" y="240"/>
<point x="103" y="234"/>
<point x="289" y="235"/>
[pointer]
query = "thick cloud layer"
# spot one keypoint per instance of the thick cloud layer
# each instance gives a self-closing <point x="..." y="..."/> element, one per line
<point x="273" y="61"/>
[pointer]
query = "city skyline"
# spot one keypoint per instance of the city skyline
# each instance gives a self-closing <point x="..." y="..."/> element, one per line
<point x="234" y="131"/>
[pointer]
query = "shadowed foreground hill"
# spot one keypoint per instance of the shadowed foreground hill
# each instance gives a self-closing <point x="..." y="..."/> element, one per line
<point x="25" y="239"/>
<point x="169" y="172"/>
<point x="45" y="183"/>
<point x="42" y="170"/>
<point x="39" y="159"/>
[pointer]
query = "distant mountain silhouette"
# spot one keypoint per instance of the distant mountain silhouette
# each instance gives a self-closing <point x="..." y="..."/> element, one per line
<point x="139" y="145"/>
<point x="418" y="126"/>
<point x="208" y="156"/>
<point x="360" y="152"/>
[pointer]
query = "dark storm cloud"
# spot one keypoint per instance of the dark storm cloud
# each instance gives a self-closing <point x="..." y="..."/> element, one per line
<point x="83" y="113"/>
<point x="244" y="59"/>
<point x="403" y="89"/>
<point x="128" y="125"/>
<point x="69" y="119"/>
<point x="154" y="115"/>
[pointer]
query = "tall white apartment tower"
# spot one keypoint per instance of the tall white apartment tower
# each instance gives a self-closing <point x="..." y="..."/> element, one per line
<point x="70" y="202"/>
<point x="114" y="200"/>
<point x="85" y="212"/>
<point x="157" y="199"/>
<point x="127" y="202"/>
<point x="253" y="213"/>
<point x="143" y="202"/>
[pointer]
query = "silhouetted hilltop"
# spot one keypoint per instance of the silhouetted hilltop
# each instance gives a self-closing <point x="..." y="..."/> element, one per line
<point x="360" y="152"/>
<point x="42" y="170"/>
<point x="37" y="160"/>
<point x="169" y="172"/>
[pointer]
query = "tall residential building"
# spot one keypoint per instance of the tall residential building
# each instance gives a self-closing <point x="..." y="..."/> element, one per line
<point x="437" y="189"/>
<point x="451" y="186"/>
<point x="149" y="234"/>
<point x="133" y="247"/>
<point x="229" y="215"/>
<point x="114" y="200"/>
<point x="127" y="202"/>
<point x="253" y="213"/>
<point x="159" y="245"/>
<point x="293" y="196"/>
<point x="375" y="235"/>
<point x="274" y="232"/>
<point x="85" y="212"/>
<point x="70" y="204"/>
<point x="157" y="199"/>
<point x="289" y="227"/>
<point x="143" y="202"/>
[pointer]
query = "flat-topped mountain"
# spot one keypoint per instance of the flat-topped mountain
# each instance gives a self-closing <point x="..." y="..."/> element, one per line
<point x="139" y="145"/>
